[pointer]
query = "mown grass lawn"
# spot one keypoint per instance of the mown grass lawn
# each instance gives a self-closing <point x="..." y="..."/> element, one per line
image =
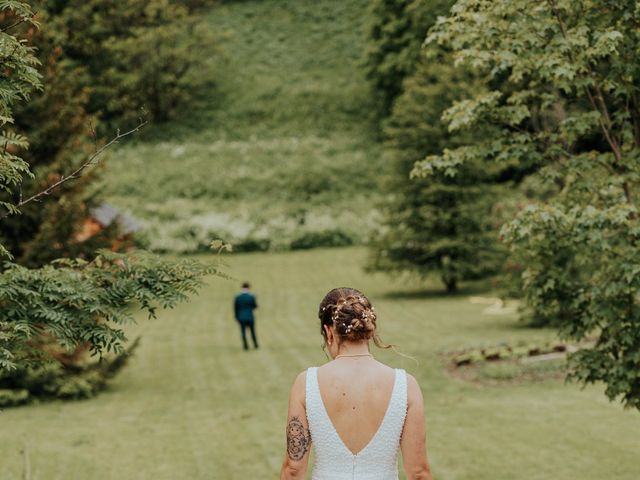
<point x="193" y="405"/>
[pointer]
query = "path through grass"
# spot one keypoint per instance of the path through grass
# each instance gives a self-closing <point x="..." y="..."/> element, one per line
<point x="192" y="405"/>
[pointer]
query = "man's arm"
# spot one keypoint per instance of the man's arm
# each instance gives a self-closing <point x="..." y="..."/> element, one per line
<point x="236" y="306"/>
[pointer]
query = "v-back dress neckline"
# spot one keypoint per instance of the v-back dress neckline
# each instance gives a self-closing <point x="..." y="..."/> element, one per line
<point x="333" y="460"/>
<point x="378" y="430"/>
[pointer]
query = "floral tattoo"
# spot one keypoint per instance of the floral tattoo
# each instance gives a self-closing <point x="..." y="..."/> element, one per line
<point x="298" y="439"/>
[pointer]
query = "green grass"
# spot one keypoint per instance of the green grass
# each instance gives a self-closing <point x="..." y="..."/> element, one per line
<point x="193" y="405"/>
<point x="280" y="137"/>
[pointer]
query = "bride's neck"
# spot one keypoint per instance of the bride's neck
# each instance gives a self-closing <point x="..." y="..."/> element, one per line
<point x="354" y="348"/>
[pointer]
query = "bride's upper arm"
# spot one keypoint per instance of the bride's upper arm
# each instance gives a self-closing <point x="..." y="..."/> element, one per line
<point x="413" y="441"/>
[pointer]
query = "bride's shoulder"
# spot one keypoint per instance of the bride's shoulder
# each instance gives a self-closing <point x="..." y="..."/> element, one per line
<point x="414" y="392"/>
<point x="300" y="378"/>
<point x="300" y="381"/>
<point x="384" y="367"/>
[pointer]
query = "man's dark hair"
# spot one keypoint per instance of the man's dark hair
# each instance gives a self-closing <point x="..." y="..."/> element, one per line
<point x="246" y="285"/>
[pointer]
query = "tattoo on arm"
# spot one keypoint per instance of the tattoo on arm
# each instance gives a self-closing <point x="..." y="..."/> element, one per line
<point x="298" y="439"/>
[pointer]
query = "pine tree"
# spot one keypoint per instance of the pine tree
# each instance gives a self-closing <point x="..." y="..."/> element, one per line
<point x="397" y="31"/>
<point x="442" y="224"/>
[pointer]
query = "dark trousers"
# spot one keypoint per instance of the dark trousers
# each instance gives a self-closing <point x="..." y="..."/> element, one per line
<point x="252" y="328"/>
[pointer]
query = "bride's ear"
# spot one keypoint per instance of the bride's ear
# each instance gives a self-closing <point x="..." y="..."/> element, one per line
<point x="328" y="334"/>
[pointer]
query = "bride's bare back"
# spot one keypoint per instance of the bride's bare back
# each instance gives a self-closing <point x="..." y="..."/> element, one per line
<point x="356" y="393"/>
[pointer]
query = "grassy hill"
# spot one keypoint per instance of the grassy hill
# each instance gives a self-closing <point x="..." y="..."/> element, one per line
<point x="193" y="405"/>
<point x="279" y="143"/>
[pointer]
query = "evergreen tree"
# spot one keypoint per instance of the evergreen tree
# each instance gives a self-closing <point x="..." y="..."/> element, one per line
<point x="443" y="224"/>
<point x="397" y="31"/>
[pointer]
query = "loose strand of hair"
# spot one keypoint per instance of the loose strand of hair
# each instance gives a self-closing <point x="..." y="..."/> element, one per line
<point x="380" y="344"/>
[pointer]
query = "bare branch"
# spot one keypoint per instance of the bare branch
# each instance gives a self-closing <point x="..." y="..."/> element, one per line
<point x="634" y="116"/>
<point x="19" y="22"/>
<point x="77" y="173"/>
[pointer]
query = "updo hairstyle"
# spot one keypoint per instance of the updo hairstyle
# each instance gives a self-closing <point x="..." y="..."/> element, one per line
<point x="352" y="315"/>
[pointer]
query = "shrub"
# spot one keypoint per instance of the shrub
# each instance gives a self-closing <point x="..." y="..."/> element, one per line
<point x="11" y="397"/>
<point x="53" y="379"/>
<point x="252" y="245"/>
<point x="327" y="238"/>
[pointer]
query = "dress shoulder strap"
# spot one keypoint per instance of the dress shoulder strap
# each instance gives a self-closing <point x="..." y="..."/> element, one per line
<point x="320" y="426"/>
<point x="313" y="399"/>
<point x="311" y="382"/>
<point x="402" y="386"/>
<point x="398" y="408"/>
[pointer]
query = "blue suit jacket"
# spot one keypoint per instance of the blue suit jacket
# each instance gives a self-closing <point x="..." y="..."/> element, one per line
<point x="244" y="305"/>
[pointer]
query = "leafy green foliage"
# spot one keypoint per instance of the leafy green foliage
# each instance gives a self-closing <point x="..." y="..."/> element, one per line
<point x="569" y="102"/>
<point x="80" y="380"/>
<point x="60" y="139"/>
<point x="71" y="304"/>
<point x="78" y="302"/>
<point x="20" y="73"/>
<point x="327" y="238"/>
<point x="442" y="224"/>
<point x="19" y="78"/>
<point x="137" y="54"/>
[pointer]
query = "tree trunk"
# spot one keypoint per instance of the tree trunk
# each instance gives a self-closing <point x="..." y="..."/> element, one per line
<point x="451" y="283"/>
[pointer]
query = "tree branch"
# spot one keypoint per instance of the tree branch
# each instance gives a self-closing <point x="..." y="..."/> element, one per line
<point x="601" y="107"/>
<point x="615" y="146"/>
<point x="77" y="173"/>
<point x="634" y="116"/>
<point x="22" y="20"/>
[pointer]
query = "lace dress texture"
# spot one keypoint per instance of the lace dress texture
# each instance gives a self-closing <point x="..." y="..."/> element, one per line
<point x="378" y="460"/>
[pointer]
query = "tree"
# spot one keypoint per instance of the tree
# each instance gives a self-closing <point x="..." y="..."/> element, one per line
<point x="72" y="301"/>
<point x="395" y="36"/>
<point x="437" y="224"/>
<point x="570" y="100"/>
<point x="137" y="55"/>
<point x="440" y="224"/>
<point x="59" y="131"/>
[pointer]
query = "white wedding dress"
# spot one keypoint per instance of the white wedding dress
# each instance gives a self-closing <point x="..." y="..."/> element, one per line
<point x="376" y="461"/>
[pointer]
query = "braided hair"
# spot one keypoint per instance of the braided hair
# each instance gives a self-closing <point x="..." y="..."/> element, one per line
<point x="352" y="315"/>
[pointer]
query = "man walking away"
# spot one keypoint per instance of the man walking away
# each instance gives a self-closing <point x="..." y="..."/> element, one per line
<point x="245" y="304"/>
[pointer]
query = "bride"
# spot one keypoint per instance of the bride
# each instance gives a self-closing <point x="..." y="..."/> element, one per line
<point x="355" y="411"/>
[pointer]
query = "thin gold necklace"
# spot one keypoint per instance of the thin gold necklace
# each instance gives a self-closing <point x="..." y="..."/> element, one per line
<point x="356" y="355"/>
